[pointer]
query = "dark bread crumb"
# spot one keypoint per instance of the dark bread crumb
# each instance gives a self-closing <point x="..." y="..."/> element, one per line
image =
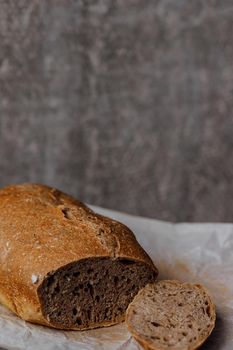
<point x="92" y="291"/>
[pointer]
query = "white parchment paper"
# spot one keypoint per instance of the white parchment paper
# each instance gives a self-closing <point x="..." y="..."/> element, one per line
<point x="188" y="252"/>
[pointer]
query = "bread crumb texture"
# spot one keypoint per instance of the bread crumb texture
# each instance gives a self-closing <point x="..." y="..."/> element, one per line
<point x="171" y="315"/>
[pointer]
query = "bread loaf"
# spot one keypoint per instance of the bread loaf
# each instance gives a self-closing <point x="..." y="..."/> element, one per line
<point x="171" y="315"/>
<point x="64" y="266"/>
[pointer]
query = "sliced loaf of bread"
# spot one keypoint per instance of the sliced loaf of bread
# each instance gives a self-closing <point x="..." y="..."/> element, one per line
<point x="171" y="315"/>
<point x="64" y="266"/>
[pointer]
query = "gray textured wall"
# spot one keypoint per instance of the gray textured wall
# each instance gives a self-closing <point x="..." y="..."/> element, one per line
<point x="125" y="104"/>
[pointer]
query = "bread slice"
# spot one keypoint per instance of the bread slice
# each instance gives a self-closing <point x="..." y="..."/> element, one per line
<point x="64" y="266"/>
<point x="171" y="315"/>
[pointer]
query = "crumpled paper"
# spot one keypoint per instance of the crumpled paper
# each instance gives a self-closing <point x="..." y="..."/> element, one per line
<point x="189" y="252"/>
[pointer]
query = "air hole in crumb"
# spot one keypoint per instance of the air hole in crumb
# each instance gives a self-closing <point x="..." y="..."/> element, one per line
<point x="90" y="287"/>
<point x="89" y="314"/>
<point x="90" y="270"/>
<point x="74" y="311"/>
<point x="59" y="314"/>
<point x="155" y="324"/>
<point x="155" y="338"/>
<point x="50" y="281"/>
<point x="76" y="291"/>
<point x="116" y="279"/>
<point x="165" y="339"/>
<point x="199" y="329"/>
<point x="106" y="312"/>
<point x="97" y="298"/>
<point x="85" y="289"/>
<point x="206" y="302"/>
<point x="190" y="325"/>
<point x="81" y="286"/>
<point x="208" y="310"/>
<point x="57" y="289"/>
<point x="184" y="334"/>
<point x="180" y="304"/>
<point x="78" y="321"/>
<point x="126" y="262"/>
<point x="76" y="274"/>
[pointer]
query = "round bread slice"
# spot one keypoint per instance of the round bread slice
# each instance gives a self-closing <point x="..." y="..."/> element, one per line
<point x="171" y="315"/>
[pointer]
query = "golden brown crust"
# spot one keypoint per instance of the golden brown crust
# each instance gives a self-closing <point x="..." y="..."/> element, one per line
<point x="146" y="344"/>
<point x="43" y="229"/>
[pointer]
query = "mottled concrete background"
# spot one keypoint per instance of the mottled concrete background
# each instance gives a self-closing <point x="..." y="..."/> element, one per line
<point x="124" y="104"/>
